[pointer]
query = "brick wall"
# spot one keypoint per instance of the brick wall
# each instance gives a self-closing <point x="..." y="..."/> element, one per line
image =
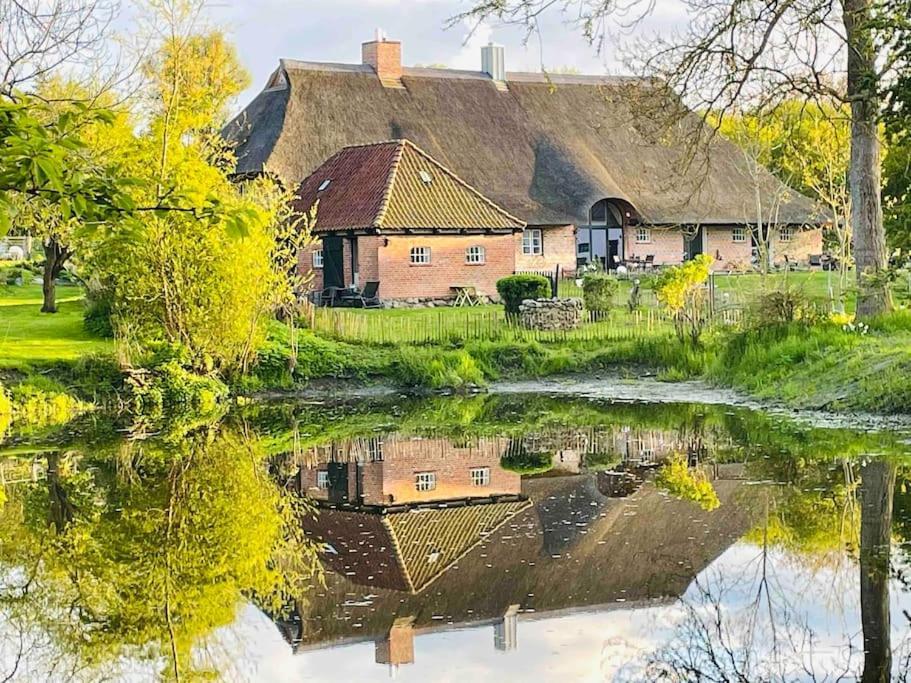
<point x="559" y="245"/>
<point x="401" y="280"/>
<point x="385" y="57"/>
<point x="665" y="243"/>
<point x="802" y="244"/>
<point x="305" y="266"/>
<point x="728" y="254"/>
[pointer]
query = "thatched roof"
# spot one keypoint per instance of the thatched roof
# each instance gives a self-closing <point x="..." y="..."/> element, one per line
<point x="545" y="149"/>
<point x="395" y="185"/>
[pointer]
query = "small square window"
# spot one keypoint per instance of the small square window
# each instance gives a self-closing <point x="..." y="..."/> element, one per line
<point x="738" y="234"/>
<point x="425" y="481"/>
<point x="322" y="479"/>
<point x="318" y="258"/>
<point x="420" y="256"/>
<point x="785" y="234"/>
<point x="475" y="254"/>
<point x="532" y="242"/>
<point x="643" y="235"/>
<point x="480" y="476"/>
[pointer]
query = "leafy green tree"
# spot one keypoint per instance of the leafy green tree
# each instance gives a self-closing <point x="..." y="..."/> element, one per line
<point x="681" y="290"/>
<point x="143" y="550"/>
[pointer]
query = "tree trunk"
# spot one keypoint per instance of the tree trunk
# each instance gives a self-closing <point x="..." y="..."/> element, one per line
<point x="876" y="490"/>
<point x="55" y="256"/>
<point x="864" y="165"/>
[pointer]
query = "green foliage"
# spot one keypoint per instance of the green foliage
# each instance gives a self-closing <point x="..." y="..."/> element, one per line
<point x="598" y="290"/>
<point x="687" y="483"/>
<point x="782" y="306"/>
<point x="171" y="388"/>
<point x="681" y="290"/>
<point x="436" y="368"/>
<point x="38" y="402"/>
<point x="99" y="308"/>
<point x="514" y="289"/>
<point x="520" y="460"/>
<point x="6" y="411"/>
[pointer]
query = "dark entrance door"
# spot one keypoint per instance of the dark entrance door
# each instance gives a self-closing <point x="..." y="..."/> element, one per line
<point x="333" y="262"/>
<point x="694" y="245"/>
<point x="338" y="481"/>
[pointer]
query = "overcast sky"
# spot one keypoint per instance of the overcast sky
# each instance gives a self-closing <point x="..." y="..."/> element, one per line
<point x="333" y="30"/>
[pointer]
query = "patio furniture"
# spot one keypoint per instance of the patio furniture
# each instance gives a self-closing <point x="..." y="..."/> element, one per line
<point x="327" y="297"/>
<point x="369" y="298"/>
<point x="466" y="295"/>
<point x="649" y="262"/>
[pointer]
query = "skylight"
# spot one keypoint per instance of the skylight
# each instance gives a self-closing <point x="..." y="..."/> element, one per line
<point x="323" y="185"/>
<point x="426" y="177"/>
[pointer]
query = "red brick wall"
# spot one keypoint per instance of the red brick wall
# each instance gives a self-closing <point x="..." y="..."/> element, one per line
<point x="405" y="457"/>
<point x="728" y="254"/>
<point x="665" y="243"/>
<point x="802" y="244"/>
<point x="559" y="244"/>
<point x="305" y="265"/>
<point x="401" y="280"/>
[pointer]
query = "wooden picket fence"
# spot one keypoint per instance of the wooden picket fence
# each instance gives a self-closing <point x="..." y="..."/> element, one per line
<point x="448" y="326"/>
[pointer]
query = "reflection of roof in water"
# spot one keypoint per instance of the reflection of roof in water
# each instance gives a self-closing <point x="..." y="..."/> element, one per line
<point x="572" y="549"/>
<point x="406" y="551"/>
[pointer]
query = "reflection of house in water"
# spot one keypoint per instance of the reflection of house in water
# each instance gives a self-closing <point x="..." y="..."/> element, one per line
<point x="450" y="558"/>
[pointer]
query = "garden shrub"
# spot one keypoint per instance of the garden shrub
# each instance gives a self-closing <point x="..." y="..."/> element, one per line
<point x="96" y="317"/>
<point x="681" y="290"/>
<point x="6" y="411"/>
<point x="520" y="460"/>
<point x="171" y="387"/>
<point x="687" y="484"/>
<point x="514" y="289"/>
<point x="782" y="307"/>
<point x="598" y="290"/>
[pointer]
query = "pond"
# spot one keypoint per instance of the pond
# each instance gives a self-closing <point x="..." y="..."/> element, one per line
<point x="490" y="538"/>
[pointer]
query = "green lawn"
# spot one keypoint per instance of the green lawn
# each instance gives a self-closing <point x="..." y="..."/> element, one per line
<point x="31" y="338"/>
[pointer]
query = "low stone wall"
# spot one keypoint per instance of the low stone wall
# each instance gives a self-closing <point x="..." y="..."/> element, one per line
<point x="435" y="302"/>
<point x="551" y="314"/>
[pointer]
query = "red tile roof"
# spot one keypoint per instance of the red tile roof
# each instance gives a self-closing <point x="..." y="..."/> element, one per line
<point x="393" y="186"/>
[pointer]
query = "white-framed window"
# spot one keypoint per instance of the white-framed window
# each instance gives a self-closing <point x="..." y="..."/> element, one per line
<point x="322" y="479"/>
<point x="480" y="476"/>
<point x="475" y="254"/>
<point x="420" y="256"/>
<point x="643" y="235"/>
<point x="375" y="449"/>
<point x="318" y="258"/>
<point x="785" y="234"/>
<point x="425" y="481"/>
<point x="738" y="234"/>
<point x="533" y="242"/>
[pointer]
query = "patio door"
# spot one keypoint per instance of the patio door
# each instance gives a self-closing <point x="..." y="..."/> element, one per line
<point x="333" y="261"/>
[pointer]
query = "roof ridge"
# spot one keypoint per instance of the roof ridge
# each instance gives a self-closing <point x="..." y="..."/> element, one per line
<point x="390" y="181"/>
<point x="496" y="207"/>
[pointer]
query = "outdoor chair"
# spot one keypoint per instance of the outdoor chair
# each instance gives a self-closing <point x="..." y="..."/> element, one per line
<point x="649" y="262"/>
<point x="327" y="297"/>
<point x="369" y="297"/>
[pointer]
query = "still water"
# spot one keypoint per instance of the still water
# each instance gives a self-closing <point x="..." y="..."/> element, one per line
<point x="490" y="538"/>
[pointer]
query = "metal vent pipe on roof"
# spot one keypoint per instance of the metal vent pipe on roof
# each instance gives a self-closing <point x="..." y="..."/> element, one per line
<point x="493" y="61"/>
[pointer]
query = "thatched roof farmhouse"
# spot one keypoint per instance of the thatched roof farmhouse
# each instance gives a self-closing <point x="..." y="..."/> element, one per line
<point x="552" y="150"/>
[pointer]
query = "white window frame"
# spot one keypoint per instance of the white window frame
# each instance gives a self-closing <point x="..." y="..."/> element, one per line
<point x="738" y="234"/>
<point x="425" y="481"/>
<point x="476" y="255"/>
<point x="533" y="242"/>
<point x="419" y="256"/>
<point x="318" y="259"/>
<point x="375" y="449"/>
<point x="480" y="476"/>
<point x="322" y="480"/>
<point x="643" y="235"/>
<point x="785" y="234"/>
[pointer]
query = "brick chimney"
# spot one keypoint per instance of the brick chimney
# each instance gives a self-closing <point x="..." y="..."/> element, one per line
<point x="385" y="57"/>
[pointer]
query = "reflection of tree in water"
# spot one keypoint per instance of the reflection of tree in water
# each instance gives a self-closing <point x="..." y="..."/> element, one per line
<point x="142" y="552"/>
<point x="751" y="624"/>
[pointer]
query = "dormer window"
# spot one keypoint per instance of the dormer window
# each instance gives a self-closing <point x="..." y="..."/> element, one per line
<point x="425" y="177"/>
<point x="323" y="185"/>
